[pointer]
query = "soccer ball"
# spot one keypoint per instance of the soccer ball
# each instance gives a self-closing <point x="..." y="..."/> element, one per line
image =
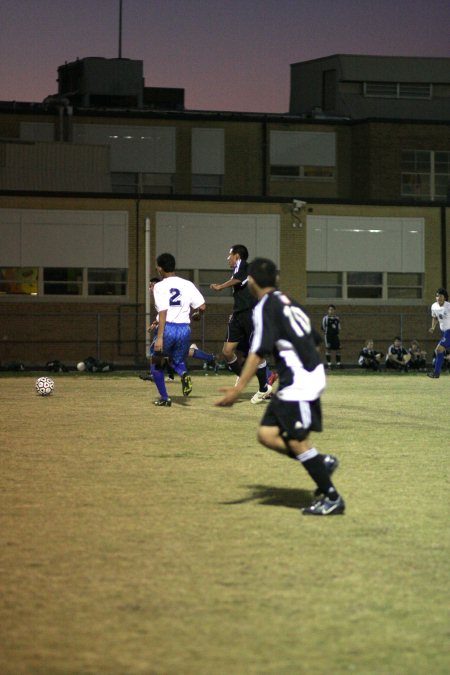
<point x="81" y="366"/>
<point x="44" y="386"/>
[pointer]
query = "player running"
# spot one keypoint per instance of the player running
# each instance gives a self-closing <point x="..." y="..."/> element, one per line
<point x="440" y="313"/>
<point x="174" y="299"/>
<point x="283" y="329"/>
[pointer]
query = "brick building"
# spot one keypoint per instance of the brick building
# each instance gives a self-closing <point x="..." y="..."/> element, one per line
<point x="95" y="183"/>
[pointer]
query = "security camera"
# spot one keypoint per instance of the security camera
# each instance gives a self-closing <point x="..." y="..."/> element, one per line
<point x="298" y="204"/>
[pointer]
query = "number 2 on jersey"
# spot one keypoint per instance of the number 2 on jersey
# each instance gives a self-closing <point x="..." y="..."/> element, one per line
<point x="175" y="300"/>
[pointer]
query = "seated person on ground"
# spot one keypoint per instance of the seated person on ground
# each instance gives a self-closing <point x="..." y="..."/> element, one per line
<point x="418" y="357"/>
<point x="369" y="357"/>
<point x="397" y="358"/>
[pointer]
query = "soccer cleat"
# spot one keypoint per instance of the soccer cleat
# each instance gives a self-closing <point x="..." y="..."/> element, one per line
<point x="433" y="375"/>
<point x="273" y="377"/>
<point x="186" y="384"/>
<point x="331" y="464"/>
<point x="325" y="507"/>
<point x="146" y="378"/>
<point x="261" y="396"/>
<point x="163" y="402"/>
<point x="169" y="378"/>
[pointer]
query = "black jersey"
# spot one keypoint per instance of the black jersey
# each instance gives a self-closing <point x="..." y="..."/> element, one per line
<point x="243" y="299"/>
<point x="331" y="326"/>
<point x="283" y="329"/>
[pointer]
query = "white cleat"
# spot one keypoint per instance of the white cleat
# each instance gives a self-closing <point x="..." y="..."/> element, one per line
<point x="261" y="396"/>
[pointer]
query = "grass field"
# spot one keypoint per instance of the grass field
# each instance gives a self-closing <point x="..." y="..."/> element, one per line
<point x="165" y="541"/>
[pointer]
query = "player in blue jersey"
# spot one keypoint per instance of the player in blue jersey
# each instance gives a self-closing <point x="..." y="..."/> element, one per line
<point x="283" y="329"/>
<point x="440" y="314"/>
<point x="175" y="298"/>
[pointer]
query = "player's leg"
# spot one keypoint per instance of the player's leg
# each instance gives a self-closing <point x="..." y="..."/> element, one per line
<point x="180" y="339"/>
<point x="157" y="371"/>
<point x="440" y="352"/>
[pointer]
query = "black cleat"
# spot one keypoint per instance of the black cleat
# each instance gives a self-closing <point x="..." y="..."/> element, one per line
<point x="331" y="464"/>
<point x="166" y="402"/>
<point x="146" y="378"/>
<point x="325" y="507"/>
<point x="186" y="384"/>
<point x="433" y="375"/>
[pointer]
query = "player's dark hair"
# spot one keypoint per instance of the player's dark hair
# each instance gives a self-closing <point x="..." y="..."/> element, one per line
<point x="166" y="261"/>
<point x="241" y="250"/>
<point x="333" y="306"/>
<point x="264" y="272"/>
<point x="442" y="291"/>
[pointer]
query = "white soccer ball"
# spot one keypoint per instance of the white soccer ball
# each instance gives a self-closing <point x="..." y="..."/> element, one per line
<point x="81" y="366"/>
<point x="44" y="386"/>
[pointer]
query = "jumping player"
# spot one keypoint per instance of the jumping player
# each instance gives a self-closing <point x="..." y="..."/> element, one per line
<point x="240" y="324"/>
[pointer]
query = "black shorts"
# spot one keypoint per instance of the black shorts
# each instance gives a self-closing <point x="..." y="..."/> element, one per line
<point x="240" y="328"/>
<point x="295" y="419"/>
<point x="332" y="342"/>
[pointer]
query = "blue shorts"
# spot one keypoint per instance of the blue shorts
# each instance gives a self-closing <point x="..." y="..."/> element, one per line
<point x="176" y="342"/>
<point x="445" y="340"/>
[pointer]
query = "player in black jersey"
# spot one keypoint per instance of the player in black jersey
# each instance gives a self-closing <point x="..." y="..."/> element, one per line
<point x="282" y="328"/>
<point x="240" y="324"/>
<point x="331" y="326"/>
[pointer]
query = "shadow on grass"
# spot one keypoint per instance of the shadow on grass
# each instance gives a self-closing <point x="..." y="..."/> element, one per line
<point x="270" y="495"/>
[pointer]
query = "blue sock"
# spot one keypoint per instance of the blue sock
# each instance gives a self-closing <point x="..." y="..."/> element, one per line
<point x="438" y="362"/>
<point x="158" y="378"/>
<point x="204" y="356"/>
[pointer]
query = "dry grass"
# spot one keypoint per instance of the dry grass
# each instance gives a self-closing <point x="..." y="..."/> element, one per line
<point x="166" y="541"/>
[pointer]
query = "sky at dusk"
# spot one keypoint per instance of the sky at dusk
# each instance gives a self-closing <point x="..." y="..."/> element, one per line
<point x="230" y="55"/>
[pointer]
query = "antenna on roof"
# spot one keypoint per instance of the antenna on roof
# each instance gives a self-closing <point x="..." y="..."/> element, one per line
<point x="120" y="29"/>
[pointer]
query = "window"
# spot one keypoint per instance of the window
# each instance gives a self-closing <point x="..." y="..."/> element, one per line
<point x="208" y="160"/>
<point x="207" y="185"/>
<point x="63" y="281"/>
<point x="157" y="183"/>
<point x="304" y="155"/>
<point x="416" y="90"/>
<point x="364" y="286"/>
<point x="18" y="280"/>
<point x="425" y="174"/>
<point x="107" y="282"/>
<point x="124" y="182"/>
<point x="324" y="284"/>
<point x="144" y="183"/>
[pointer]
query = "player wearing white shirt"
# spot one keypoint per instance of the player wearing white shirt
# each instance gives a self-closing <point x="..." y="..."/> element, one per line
<point x="283" y="329"/>
<point x="440" y="314"/>
<point x="174" y="299"/>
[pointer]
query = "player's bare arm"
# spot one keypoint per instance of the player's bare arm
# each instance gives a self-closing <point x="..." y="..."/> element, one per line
<point x="434" y="323"/>
<point x="231" y="394"/>
<point x="226" y="284"/>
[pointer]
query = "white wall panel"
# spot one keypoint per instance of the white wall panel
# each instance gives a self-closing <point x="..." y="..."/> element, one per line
<point x="358" y="244"/>
<point x="202" y="241"/>
<point x="302" y="148"/>
<point x="146" y="149"/>
<point x="60" y="238"/>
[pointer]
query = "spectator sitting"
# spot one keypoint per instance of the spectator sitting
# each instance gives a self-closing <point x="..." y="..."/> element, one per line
<point x="369" y="358"/>
<point x="397" y="358"/>
<point x="418" y="357"/>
